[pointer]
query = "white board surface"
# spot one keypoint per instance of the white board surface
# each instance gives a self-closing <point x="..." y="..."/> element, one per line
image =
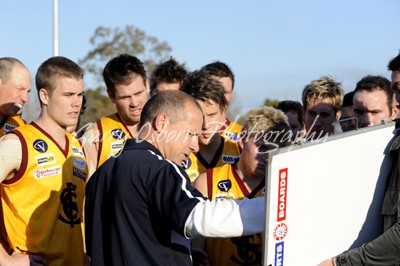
<point x="324" y="198"/>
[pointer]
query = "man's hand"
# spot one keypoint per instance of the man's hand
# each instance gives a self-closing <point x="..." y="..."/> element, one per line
<point x="329" y="262"/>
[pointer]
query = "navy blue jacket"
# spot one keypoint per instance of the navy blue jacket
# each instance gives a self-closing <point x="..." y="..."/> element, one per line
<point x="136" y="208"/>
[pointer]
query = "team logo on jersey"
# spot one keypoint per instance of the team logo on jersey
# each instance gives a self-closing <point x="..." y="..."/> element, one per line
<point x="224" y="185"/>
<point x="79" y="162"/>
<point x="52" y="171"/>
<point x="77" y="151"/>
<point x="40" y="145"/>
<point x="248" y="250"/>
<point x="9" y="127"/>
<point x="230" y="159"/>
<point x="118" y="133"/>
<point x="116" y="146"/>
<point x="70" y="211"/>
<point x="192" y="174"/>
<point x="78" y="173"/>
<point x="232" y="136"/>
<point x="45" y="159"/>
<point x="187" y="164"/>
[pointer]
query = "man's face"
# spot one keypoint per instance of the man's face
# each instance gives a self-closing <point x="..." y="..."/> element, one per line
<point x="370" y="108"/>
<point x="294" y="124"/>
<point x="212" y="121"/>
<point x="347" y="112"/>
<point x="182" y="137"/>
<point x="65" y="102"/>
<point x="15" y="91"/>
<point x="254" y="155"/>
<point x="395" y="77"/>
<point x="253" y="158"/>
<point x="319" y="117"/>
<point x="130" y="99"/>
<point x="396" y="97"/>
<point x="228" y="86"/>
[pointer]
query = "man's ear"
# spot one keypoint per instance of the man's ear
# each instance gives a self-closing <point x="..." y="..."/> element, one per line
<point x="338" y="115"/>
<point x="395" y="112"/>
<point x="242" y="138"/>
<point x="241" y="143"/>
<point x="161" y="122"/>
<point x="43" y="96"/>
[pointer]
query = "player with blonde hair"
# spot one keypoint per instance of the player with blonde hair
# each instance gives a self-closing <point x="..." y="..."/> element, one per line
<point x="322" y="102"/>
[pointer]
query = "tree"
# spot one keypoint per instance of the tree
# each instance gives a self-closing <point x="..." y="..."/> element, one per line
<point x="271" y="102"/>
<point x="98" y="105"/>
<point x="108" y="43"/>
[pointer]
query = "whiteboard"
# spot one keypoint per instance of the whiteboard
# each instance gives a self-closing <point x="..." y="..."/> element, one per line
<point x="325" y="197"/>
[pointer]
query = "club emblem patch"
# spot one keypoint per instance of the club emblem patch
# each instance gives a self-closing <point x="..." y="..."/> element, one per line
<point x="40" y="145"/>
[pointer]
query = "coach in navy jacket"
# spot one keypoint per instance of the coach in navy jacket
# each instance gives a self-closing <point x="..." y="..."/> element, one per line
<point x="140" y="207"/>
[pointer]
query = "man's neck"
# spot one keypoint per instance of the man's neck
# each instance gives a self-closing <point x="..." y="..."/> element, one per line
<point x="251" y="182"/>
<point x="208" y="151"/>
<point x="56" y="131"/>
<point x="133" y="128"/>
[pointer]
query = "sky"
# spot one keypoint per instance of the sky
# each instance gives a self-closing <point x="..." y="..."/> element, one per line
<point x="274" y="48"/>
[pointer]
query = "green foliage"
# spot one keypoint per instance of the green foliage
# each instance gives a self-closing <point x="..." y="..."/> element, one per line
<point x="271" y="102"/>
<point x="110" y="42"/>
<point x="98" y="105"/>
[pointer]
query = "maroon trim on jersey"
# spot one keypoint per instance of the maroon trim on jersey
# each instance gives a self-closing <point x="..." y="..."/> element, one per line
<point x="64" y="150"/>
<point x="80" y="143"/>
<point x="100" y="129"/>
<point x="259" y="187"/>
<point x="24" y="162"/>
<point x="239" y="181"/>
<point x="216" y="157"/>
<point x="209" y="182"/>
<point x="126" y="128"/>
<point x="226" y="125"/>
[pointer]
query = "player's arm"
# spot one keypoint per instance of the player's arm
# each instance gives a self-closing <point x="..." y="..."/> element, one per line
<point x="383" y="250"/>
<point x="90" y="141"/>
<point x="201" y="184"/>
<point x="10" y="162"/>
<point x="10" y="156"/>
<point x="17" y="259"/>
<point x="226" y="218"/>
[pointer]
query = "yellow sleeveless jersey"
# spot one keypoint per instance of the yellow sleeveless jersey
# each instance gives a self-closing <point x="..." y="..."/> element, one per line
<point x="224" y="182"/>
<point x="227" y="153"/>
<point x="231" y="131"/>
<point x="113" y="134"/>
<point x="9" y="123"/>
<point x="43" y="203"/>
